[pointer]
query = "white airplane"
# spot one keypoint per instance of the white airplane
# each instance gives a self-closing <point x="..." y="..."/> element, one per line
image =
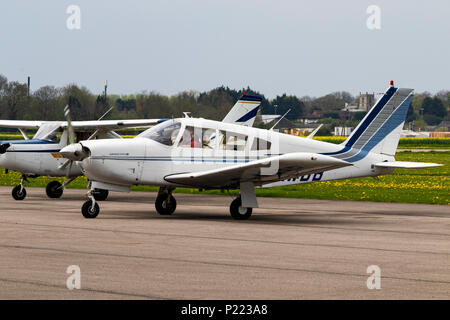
<point x="186" y="153"/>
<point x="40" y="155"/>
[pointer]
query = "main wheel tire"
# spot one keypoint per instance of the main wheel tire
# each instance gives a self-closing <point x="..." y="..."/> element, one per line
<point x="165" y="204"/>
<point x="54" y="189"/>
<point x="89" y="211"/>
<point x="17" y="194"/>
<point x="100" y="194"/>
<point x="238" y="212"/>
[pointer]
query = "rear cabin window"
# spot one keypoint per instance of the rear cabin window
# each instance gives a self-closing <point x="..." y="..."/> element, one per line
<point x="233" y="141"/>
<point x="261" y="144"/>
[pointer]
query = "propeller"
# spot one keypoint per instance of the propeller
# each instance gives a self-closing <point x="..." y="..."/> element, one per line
<point x="73" y="151"/>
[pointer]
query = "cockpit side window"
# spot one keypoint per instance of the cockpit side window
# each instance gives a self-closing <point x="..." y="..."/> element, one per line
<point x="165" y="133"/>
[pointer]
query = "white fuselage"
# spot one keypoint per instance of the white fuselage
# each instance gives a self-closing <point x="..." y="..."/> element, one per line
<point x="143" y="161"/>
<point x="36" y="157"/>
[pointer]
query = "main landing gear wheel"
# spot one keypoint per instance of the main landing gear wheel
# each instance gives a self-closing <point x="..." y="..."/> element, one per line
<point x="100" y="194"/>
<point x="19" y="193"/>
<point x="90" y="211"/>
<point x="238" y="212"/>
<point x="165" y="204"/>
<point x="54" y="189"/>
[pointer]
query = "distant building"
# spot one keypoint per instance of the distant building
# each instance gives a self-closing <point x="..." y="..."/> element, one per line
<point x="266" y="118"/>
<point x="313" y="118"/>
<point x="366" y="101"/>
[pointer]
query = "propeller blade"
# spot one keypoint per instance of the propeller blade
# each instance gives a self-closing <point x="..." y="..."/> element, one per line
<point x="64" y="165"/>
<point x="69" y="124"/>
<point x="68" y="169"/>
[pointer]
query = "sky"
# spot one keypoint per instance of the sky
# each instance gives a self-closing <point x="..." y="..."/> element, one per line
<point x="295" y="47"/>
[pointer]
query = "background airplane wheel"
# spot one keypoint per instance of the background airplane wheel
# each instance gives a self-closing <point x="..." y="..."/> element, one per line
<point x="17" y="194"/>
<point x="238" y="212"/>
<point x="165" y="204"/>
<point x="100" y="194"/>
<point x="54" y="189"/>
<point x="89" y="211"/>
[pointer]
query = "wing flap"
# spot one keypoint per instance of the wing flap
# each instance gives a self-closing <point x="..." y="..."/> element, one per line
<point x="259" y="172"/>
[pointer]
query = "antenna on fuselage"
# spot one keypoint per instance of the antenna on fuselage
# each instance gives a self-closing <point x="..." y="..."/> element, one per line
<point x="281" y="118"/>
<point x="186" y="114"/>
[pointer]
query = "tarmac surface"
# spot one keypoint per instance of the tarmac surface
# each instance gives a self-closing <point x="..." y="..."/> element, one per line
<point x="289" y="249"/>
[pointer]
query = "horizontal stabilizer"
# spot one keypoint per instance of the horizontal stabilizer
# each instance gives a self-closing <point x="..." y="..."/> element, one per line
<point x="406" y="165"/>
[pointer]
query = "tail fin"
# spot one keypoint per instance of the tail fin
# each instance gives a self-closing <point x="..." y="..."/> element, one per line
<point x="380" y="129"/>
<point x="244" y="111"/>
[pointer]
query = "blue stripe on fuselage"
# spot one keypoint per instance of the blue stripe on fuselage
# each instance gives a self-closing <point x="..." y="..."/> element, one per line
<point x="31" y="141"/>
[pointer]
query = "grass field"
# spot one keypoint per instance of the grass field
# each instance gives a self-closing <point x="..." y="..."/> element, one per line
<point x="409" y="186"/>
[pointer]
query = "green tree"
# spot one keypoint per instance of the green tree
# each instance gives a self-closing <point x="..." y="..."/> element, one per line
<point x="434" y="110"/>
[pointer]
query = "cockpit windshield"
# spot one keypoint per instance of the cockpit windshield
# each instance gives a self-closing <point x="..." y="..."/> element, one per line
<point x="49" y="131"/>
<point x="164" y="133"/>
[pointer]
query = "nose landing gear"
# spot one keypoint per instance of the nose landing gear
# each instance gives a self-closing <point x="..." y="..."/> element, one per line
<point x="90" y="208"/>
<point x="19" y="192"/>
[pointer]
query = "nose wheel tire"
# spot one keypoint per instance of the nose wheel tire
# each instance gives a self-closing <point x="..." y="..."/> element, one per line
<point x="18" y="194"/>
<point x="54" y="189"/>
<point x="165" y="204"/>
<point x="90" y="211"/>
<point x="238" y="212"/>
<point x="100" y="194"/>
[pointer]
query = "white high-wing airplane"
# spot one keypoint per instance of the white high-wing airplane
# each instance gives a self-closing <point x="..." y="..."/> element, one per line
<point x="208" y="154"/>
<point x="40" y="155"/>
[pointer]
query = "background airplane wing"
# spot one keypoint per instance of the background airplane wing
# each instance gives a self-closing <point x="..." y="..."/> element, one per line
<point x="259" y="172"/>
<point x="84" y="125"/>
<point x="23" y="124"/>
<point x="113" y="124"/>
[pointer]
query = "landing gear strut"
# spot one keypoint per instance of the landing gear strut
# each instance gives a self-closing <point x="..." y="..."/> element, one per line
<point x="165" y="202"/>
<point x="238" y="212"/>
<point x="90" y="208"/>
<point x="19" y="192"/>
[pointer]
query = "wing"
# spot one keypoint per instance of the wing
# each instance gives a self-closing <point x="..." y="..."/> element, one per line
<point x="89" y="126"/>
<point x="259" y="172"/>
<point x="80" y="126"/>
<point x="23" y="124"/>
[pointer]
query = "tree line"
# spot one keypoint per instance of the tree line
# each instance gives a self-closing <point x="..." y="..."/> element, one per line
<point x="47" y="103"/>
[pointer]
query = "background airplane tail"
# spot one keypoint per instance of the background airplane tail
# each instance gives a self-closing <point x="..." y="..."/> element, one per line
<point x="244" y="111"/>
<point x="380" y="129"/>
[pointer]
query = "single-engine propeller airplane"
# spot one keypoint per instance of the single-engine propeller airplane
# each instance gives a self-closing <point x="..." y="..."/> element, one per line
<point x="205" y="154"/>
<point x="40" y="155"/>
